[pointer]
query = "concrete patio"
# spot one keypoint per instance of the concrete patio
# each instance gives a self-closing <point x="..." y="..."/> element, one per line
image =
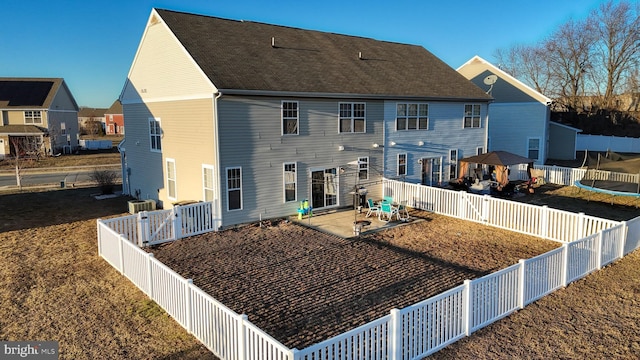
<point x="341" y="222"/>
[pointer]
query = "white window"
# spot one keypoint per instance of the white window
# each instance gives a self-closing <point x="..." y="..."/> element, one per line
<point x="472" y="116"/>
<point x="402" y="164"/>
<point x="234" y="188"/>
<point x="207" y="183"/>
<point x="33" y="117"/>
<point x="363" y="168"/>
<point x="453" y="163"/>
<point x="533" y="148"/>
<point x="289" y="118"/>
<point x="63" y="128"/>
<point x="412" y="117"/>
<point x="171" y="179"/>
<point x="290" y="181"/>
<point x="352" y="117"/>
<point x="155" y="134"/>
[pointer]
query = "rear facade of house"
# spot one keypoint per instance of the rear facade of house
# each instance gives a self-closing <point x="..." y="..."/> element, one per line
<point x="258" y="118"/>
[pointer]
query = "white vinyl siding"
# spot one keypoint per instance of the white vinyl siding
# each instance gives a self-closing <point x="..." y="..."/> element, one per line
<point x="234" y="188"/>
<point x="352" y="118"/>
<point x="290" y="180"/>
<point x="171" y="179"/>
<point x="155" y="134"/>
<point x="208" y="192"/>
<point x="290" y="119"/>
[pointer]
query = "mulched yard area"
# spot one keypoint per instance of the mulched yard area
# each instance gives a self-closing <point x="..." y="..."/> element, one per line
<point x="302" y="286"/>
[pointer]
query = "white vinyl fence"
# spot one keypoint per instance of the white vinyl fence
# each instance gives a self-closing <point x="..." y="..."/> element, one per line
<point x="148" y="228"/>
<point x="604" y="143"/>
<point x="416" y="331"/>
<point x="540" y="221"/>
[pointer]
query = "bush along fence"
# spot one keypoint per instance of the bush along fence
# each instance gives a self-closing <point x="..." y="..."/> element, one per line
<point x="416" y="331"/>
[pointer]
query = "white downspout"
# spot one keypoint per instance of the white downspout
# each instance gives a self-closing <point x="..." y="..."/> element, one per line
<point x="216" y="138"/>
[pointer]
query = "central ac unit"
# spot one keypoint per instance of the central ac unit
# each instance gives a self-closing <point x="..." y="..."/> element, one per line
<point x="135" y="206"/>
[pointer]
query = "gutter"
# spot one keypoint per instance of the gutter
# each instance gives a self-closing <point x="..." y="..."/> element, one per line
<point x="349" y="95"/>
<point x="216" y="137"/>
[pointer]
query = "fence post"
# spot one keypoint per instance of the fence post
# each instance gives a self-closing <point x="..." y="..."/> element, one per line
<point x="599" y="249"/>
<point x="121" y="239"/>
<point x="242" y="340"/>
<point x="177" y="222"/>
<point x="486" y="203"/>
<point x="466" y="307"/>
<point x="565" y="267"/>
<point x="580" y="230"/>
<point x="544" y="223"/>
<point x="623" y="242"/>
<point x="461" y="205"/>
<point x="396" y="335"/>
<point x="150" y="275"/>
<point x="99" y="236"/>
<point x="143" y="228"/>
<point x="187" y="300"/>
<point x="522" y="285"/>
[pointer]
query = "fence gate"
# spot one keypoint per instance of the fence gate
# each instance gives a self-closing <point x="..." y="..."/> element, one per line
<point x="156" y="227"/>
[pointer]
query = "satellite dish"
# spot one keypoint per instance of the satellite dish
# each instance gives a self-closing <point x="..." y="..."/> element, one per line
<point x="491" y="79"/>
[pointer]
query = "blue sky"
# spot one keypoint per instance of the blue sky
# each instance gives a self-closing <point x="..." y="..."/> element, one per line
<point x="91" y="44"/>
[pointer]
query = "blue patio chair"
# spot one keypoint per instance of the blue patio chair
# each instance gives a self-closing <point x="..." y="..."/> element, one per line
<point x="387" y="211"/>
<point x="373" y="209"/>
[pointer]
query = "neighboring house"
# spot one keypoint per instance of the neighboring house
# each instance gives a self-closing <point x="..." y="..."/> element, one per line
<point x="114" y="119"/>
<point x="518" y="117"/>
<point x="92" y="120"/>
<point x="37" y="115"/>
<point x="258" y="117"/>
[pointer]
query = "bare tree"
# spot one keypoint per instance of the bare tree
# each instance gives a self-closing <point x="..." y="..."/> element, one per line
<point x="528" y="64"/>
<point x="569" y="51"/>
<point x="617" y="47"/>
<point x="22" y="147"/>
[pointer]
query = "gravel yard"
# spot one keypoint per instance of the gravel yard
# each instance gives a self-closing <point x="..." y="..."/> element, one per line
<point x="303" y="286"/>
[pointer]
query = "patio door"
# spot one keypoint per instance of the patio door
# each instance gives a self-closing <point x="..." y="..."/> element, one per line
<point x="431" y="170"/>
<point x="324" y="188"/>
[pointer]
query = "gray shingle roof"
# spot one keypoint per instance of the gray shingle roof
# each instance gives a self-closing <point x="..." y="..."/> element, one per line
<point x="28" y="92"/>
<point x="22" y="129"/>
<point x="237" y="55"/>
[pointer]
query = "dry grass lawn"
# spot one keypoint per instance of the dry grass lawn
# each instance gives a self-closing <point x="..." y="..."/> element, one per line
<point x="54" y="286"/>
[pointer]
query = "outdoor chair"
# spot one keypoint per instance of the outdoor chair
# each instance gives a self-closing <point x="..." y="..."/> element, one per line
<point x="386" y="210"/>
<point x="387" y="199"/>
<point x="373" y="209"/>
<point x="402" y="212"/>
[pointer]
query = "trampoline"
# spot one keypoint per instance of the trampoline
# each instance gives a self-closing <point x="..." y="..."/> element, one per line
<point x="601" y="177"/>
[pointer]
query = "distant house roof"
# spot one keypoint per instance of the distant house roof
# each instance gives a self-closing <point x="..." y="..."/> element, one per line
<point x="28" y="92"/>
<point x="91" y="112"/>
<point x="116" y="108"/>
<point x="22" y="129"/>
<point x="478" y="66"/>
<point x="238" y="56"/>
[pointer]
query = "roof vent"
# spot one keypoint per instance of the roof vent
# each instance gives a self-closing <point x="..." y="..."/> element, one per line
<point x="273" y="41"/>
<point x="360" y="55"/>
